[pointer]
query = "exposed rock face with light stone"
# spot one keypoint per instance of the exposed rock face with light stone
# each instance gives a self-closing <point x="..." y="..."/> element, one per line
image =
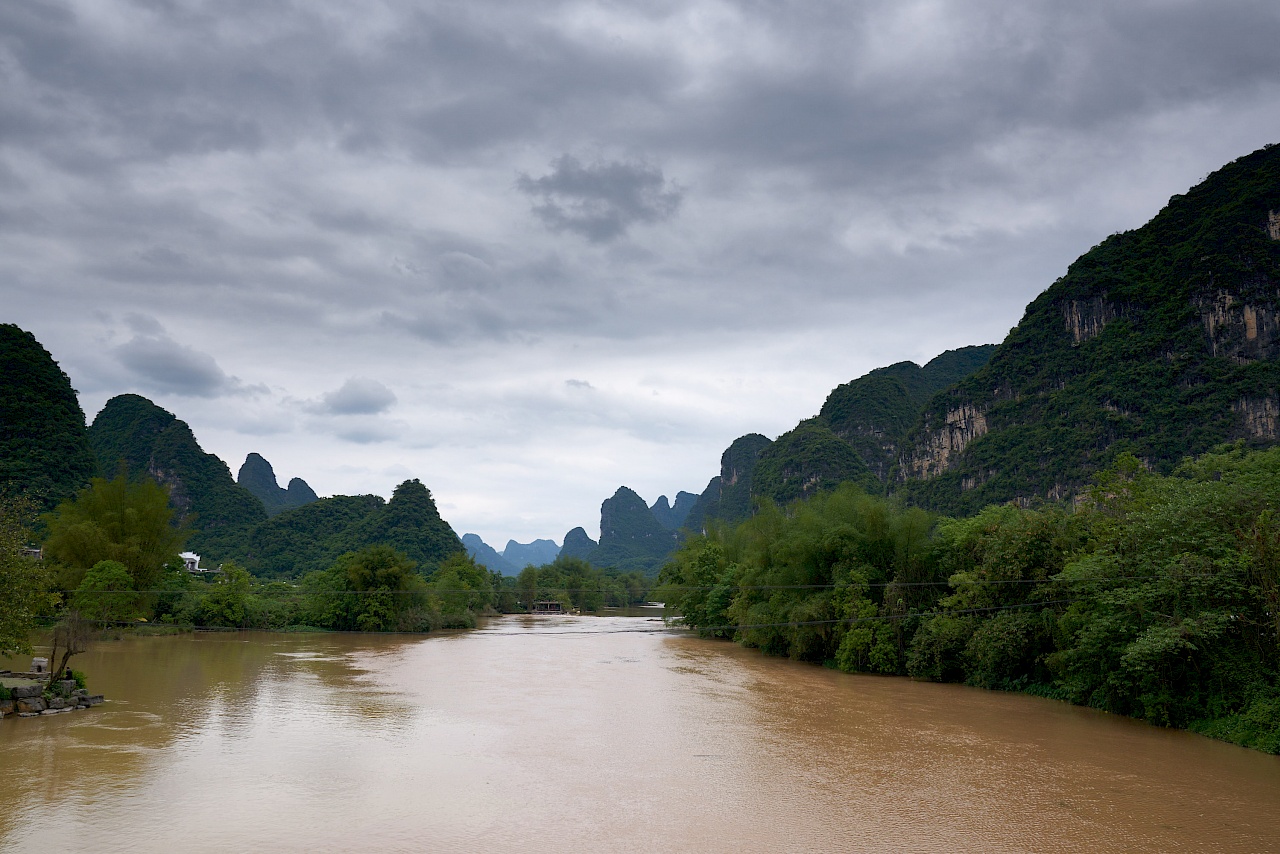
<point x="1163" y="342"/>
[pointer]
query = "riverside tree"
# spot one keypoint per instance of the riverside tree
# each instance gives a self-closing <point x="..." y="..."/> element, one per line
<point x="24" y="581"/>
<point x="129" y="522"/>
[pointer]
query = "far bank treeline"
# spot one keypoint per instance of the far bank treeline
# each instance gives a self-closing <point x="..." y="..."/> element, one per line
<point x="110" y="557"/>
<point x="1156" y="596"/>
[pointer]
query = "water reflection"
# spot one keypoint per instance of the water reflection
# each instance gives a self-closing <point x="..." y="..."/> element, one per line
<point x="566" y="733"/>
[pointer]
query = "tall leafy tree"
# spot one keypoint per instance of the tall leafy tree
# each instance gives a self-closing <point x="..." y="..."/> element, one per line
<point x="24" y="581"/>
<point x="119" y="520"/>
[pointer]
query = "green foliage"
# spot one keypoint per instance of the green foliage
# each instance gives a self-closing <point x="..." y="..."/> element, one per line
<point x="106" y="594"/>
<point x="134" y="436"/>
<point x="1144" y="346"/>
<point x="44" y="451"/>
<point x="631" y="537"/>
<point x="1158" y="597"/>
<point x="875" y="412"/>
<point x="24" y="581"/>
<point x="575" y="584"/>
<point x="257" y="476"/>
<point x="727" y="498"/>
<point x="115" y="520"/>
<point x="310" y="538"/>
<point x="808" y="460"/>
<point x="796" y="582"/>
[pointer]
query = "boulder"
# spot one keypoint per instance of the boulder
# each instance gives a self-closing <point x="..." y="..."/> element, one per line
<point x="20" y="691"/>
<point x="66" y="686"/>
<point x="57" y="703"/>
<point x="6" y="707"/>
<point x="30" y="704"/>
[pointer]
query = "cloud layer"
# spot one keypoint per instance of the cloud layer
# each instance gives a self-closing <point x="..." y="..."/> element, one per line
<point x="586" y="244"/>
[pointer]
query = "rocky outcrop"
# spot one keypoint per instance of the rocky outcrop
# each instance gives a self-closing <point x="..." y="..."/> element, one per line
<point x="1238" y="330"/>
<point x="1259" y="417"/>
<point x="936" y="449"/>
<point x="1161" y="342"/>
<point x="1086" y="319"/>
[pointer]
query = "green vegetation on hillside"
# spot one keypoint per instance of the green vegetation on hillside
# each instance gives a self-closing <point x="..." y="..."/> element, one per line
<point x="311" y="537"/>
<point x="727" y="497"/>
<point x="130" y="523"/>
<point x="1161" y="342"/>
<point x="631" y="537"/>
<point x="875" y="412"/>
<point x="44" y="451"/>
<point x="257" y="476"/>
<point x="133" y="435"/>
<point x="808" y="460"/>
<point x="1157" y="598"/>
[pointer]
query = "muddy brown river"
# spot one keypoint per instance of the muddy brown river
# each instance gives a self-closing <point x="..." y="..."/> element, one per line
<point x="582" y="734"/>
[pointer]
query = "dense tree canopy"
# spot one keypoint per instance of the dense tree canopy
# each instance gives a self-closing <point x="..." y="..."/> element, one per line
<point x="24" y="581"/>
<point x="120" y="520"/>
<point x="1157" y="598"/>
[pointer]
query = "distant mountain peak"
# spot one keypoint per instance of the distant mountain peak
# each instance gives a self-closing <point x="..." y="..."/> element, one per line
<point x="258" y="476"/>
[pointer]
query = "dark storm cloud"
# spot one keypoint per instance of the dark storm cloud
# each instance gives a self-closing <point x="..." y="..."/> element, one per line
<point x="162" y="364"/>
<point x="304" y="191"/>
<point x="600" y="200"/>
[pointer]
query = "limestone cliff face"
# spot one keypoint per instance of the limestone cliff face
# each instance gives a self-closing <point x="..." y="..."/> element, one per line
<point x="1086" y="318"/>
<point x="1162" y="342"/>
<point x="1259" y="417"/>
<point x="936" y="448"/>
<point x="1238" y="330"/>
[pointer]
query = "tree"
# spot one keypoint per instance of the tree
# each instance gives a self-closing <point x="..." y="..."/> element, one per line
<point x="71" y="636"/>
<point x="106" y="594"/>
<point x="226" y="603"/>
<point x="24" y="581"/>
<point x="119" y="520"/>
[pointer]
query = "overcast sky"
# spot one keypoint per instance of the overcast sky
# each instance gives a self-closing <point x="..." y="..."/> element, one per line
<point x="529" y="252"/>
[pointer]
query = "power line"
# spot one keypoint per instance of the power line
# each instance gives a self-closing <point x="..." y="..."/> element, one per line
<point x="683" y="588"/>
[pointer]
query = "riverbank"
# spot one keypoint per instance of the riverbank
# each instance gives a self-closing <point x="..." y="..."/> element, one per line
<point x="599" y="734"/>
<point x="28" y="695"/>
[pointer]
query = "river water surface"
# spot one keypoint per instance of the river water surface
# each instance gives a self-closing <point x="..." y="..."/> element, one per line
<point x="583" y="734"/>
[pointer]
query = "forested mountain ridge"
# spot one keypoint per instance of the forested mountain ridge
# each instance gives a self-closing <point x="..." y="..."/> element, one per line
<point x="487" y="556"/>
<point x="875" y="412"/>
<point x="44" y="446"/>
<point x="728" y="494"/>
<point x="536" y="553"/>
<point x="672" y="516"/>
<point x="1162" y="341"/>
<point x="631" y="537"/>
<point x="257" y="476"/>
<point x="147" y="441"/>
<point x="312" y="537"/>
<point x="854" y="438"/>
